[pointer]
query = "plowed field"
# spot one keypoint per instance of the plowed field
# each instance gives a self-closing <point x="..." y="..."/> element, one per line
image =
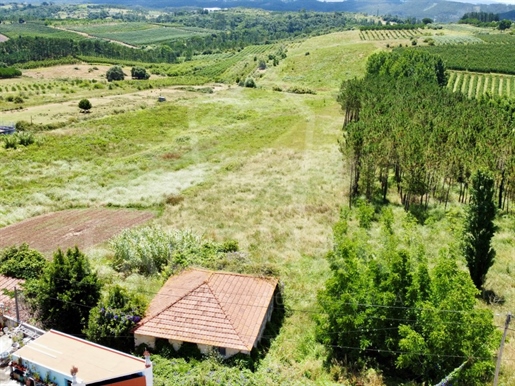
<point x="76" y="227"/>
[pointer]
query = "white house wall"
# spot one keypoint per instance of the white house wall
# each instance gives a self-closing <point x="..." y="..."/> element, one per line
<point x="150" y="341"/>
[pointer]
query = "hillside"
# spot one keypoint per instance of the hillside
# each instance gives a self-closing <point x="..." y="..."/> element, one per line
<point x="442" y="11"/>
<point x="260" y="166"/>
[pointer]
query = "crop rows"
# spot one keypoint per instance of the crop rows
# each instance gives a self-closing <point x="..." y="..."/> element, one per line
<point x="33" y="29"/>
<point x="388" y="34"/>
<point x="138" y="33"/>
<point x="497" y="38"/>
<point x="473" y="85"/>
<point x="456" y="39"/>
<point x="498" y="58"/>
<point x="226" y="69"/>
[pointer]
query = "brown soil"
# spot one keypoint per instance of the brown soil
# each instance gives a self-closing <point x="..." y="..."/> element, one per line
<point x="79" y="71"/>
<point x="83" y="228"/>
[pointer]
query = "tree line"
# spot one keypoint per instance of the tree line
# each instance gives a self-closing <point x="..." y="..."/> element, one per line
<point x="404" y="130"/>
<point x="24" y="49"/>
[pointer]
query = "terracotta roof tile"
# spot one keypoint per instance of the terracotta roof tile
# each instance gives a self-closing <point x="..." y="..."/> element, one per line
<point x="213" y="308"/>
<point x="8" y="283"/>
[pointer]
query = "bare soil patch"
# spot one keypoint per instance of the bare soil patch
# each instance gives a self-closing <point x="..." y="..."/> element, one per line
<point x="81" y="71"/>
<point x="83" y="228"/>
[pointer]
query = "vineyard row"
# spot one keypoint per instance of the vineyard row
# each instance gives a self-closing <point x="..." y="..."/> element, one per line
<point x="473" y="85"/>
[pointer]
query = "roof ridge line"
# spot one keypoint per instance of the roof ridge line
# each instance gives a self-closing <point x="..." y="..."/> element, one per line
<point x="167" y="306"/>
<point x="226" y="316"/>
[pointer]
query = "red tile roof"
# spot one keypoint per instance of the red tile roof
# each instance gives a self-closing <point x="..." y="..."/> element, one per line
<point x="214" y="308"/>
<point x="8" y="283"/>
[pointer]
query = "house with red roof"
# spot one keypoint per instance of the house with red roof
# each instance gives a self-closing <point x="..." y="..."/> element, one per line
<point x="220" y="311"/>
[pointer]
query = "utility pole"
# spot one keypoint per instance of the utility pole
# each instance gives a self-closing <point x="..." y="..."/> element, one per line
<point x="16" y="304"/>
<point x="498" y="365"/>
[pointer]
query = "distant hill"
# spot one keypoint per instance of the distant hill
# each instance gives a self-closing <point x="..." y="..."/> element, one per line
<point x="439" y="10"/>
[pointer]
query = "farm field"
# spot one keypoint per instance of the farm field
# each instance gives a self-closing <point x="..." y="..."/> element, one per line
<point x="260" y="166"/>
<point x="33" y="29"/>
<point x="137" y="33"/>
<point x="83" y="228"/>
<point x="473" y="85"/>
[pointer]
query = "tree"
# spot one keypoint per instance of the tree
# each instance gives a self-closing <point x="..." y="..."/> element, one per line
<point x="480" y="228"/>
<point x="111" y="321"/>
<point x="85" y="105"/>
<point x="139" y="73"/>
<point x="384" y="304"/>
<point x="64" y="293"/>
<point x="427" y="20"/>
<point x="115" y="73"/>
<point x="22" y="262"/>
<point x="504" y="24"/>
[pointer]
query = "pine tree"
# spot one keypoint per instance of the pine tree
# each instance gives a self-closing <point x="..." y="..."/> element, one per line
<point x="480" y="228"/>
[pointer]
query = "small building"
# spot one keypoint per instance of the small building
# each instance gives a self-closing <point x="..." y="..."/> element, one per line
<point x="65" y="360"/>
<point x="220" y="311"/>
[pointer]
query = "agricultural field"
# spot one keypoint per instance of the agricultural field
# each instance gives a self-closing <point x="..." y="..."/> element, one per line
<point x="83" y="228"/>
<point x="441" y="40"/>
<point x="137" y="33"/>
<point x="473" y="85"/>
<point x="35" y="29"/>
<point x="390" y="34"/>
<point x="499" y="58"/>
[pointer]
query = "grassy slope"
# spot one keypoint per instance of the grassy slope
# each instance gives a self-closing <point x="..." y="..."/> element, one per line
<point x="258" y="166"/>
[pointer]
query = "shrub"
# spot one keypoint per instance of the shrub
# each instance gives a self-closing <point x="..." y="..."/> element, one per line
<point x="10" y="141"/>
<point x="139" y="73"/>
<point x="25" y="138"/>
<point x="85" y="105"/>
<point x="9" y="72"/>
<point x="152" y="250"/>
<point x="115" y="73"/>
<point x="21" y="262"/>
<point x="249" y="82"/>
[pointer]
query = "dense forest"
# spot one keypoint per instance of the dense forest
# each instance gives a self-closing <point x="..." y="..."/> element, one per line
<point x="403" y="128"/>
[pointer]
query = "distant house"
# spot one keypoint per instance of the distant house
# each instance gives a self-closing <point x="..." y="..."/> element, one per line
<point x="66" y="360"/>
<point x="215" y="310"/>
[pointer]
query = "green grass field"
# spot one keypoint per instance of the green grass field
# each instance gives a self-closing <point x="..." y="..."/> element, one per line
<point x="34" y="29"/>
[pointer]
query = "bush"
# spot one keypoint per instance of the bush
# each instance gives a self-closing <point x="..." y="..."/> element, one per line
<point x="25" y="138"/>
<point x="151" y="250"/>
<point x="249" y="82"/>
<point x="85" y="105"/>
<point x="21" y="262"/>
<point x="115" y="73"/>
<point x="139" y="73"/>
<point x="9" y="72"/>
